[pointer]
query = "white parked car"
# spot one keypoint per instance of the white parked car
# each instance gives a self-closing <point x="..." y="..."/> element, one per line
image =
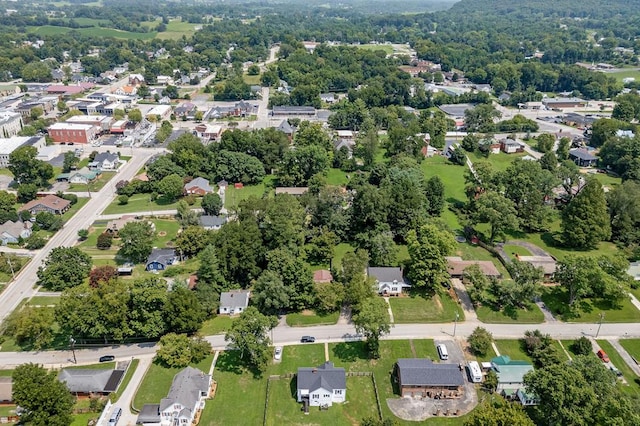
<point x="277" y="355"/>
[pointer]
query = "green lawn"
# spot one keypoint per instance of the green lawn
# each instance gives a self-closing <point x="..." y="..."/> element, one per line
<point x="632" y="346"/>
<point x="83" y="419"/>
<point x="236" y="384"/>
<point x="74" y="209"/>
<point x="98" y="366"/>
<point x="338" y="253"/>
<point x="166" y="230"/>
<point x="607" y="180"/>
<point x="418" y="309"/>
<point x="141" y="203"/>
<point x="621" y="75"/>
<point x="252" y="79"/>
<point x="500" y="162"/>
<point x="337" y="177"/>
<point x="157" y="381"/>
<point x="285" y="410"/>
<point x="47" y="30"/>
<point x="43" y="300"/>
<point x="451" y="174"/>
<point x="513" y="348"/>
<point x="309" y="318"/>
<point x="632" y="387"/>
<point x="386" y="48"/>
<point x="531" y="315"/>
<point x="125" y="381"/>
<point x="233" y="196"/>
<point x="556" y="299"/>
<point x="216" y="325"/>
<point x="513" y="250"/>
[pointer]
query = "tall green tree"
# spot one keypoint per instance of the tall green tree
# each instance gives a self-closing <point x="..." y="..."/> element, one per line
<point x="136" y="241"/>
<point x="211" y="204"/>
<point x="499" y="412"/>
<point x="372" y="320"/>
<point x="171" y="187"/>
<point x="64" y="267"/>
<point x="496" y="210"/>
<point x="585" y="220"/>
<point x="270" y="294"/>
<point x="27" y="169"/>
<point x="428" y="247"/>
<point x="211" y="281"/>
<point x="183" y="312"/>
<point x="44" y="399"/>
<point x="249" y="335"/>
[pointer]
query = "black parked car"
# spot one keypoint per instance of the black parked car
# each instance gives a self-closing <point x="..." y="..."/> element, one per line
<point x="307" y="339"/>
<point x="107" y="358"/>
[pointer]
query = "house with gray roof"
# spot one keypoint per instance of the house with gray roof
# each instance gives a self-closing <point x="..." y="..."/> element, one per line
<point x="582" y="157"/>
<point x="11" y="232"/>
<point x="198" y="186"/>
<point x="287" y="129"/>
<point x="160" y="259"/>
<point x="105" y="161"/>
<point x="322" y="385"/>
<point x="389" y="280"/>
<point x="186" y="397"/>
<point x="421" y="377"/>
<point x="234" y="301"/>
<point x="87" y="381"/>
<point x="212" y="223"/>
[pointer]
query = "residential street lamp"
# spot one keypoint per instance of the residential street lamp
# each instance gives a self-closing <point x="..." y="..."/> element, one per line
<point x="72" y="342"/>
<point x="455" y="324"/>
<point x="600" y="324"/>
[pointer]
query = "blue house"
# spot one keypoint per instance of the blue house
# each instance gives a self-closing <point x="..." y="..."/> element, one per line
<point x="159" y="259"/>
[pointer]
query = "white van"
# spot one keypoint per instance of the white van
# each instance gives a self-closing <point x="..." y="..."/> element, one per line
<point x="474" y="372"/>
<point x="442" y="351"/>
<point x="115" y="416"/>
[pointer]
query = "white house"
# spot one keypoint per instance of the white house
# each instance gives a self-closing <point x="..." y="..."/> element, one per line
<point x="186" y="397"/>
<point x="389" y="280"/>
<point x="321" y="386"/>
<point x="105" y="161"/>
<point x="234" y="301"/>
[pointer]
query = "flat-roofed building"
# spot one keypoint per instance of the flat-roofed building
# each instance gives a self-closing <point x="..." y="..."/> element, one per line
<point x="70" y="132"/>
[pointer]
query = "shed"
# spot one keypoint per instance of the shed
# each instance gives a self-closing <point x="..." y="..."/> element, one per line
<point x="421" y="377"/>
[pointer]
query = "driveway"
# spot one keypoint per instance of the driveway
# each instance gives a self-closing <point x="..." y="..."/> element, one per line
<point x="420" y="409"/>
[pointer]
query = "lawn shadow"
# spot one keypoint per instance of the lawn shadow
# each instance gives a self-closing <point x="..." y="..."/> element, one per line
<point x="164" y="201"/>
<point x="395" y="385"/>
<point x="293" y="387"/>
<point x="351" y="351"/>
<point x="229" y="362"/>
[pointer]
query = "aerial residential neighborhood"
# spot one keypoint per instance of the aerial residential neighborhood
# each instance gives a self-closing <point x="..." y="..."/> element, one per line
<point x="363" y="213"/>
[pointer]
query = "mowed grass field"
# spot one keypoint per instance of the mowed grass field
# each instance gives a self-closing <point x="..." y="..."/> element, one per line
<point x="92" y="31"/>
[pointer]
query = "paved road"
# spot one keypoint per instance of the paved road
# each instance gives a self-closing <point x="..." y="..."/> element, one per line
<point x="23" y="286"/>
<point x="127" y="417"/>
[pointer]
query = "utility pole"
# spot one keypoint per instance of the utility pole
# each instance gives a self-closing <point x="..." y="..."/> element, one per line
<point x="455" y="324"/>
<point x="72" y="342"/>
<point x="600" y="324"/>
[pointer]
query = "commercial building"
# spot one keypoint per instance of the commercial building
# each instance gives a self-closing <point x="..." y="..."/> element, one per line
<point x="70" y="132"/>
<point x="8" y="145"/>
<point x="10" y="123"/>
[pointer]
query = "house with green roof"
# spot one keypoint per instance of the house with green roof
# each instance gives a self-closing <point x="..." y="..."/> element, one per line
<point x="511" y="376"/>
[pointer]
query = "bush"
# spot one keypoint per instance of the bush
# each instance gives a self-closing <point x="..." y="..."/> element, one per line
<point x="104" y="241"/>
<point x="582" y="346"/>
<point x="34" y="242"/>
<point x="73" y="198"/>
<point x="480" y="341"/>
<point x="123" y="199"/>
<point x="190" y="199"/>
<point x="83" y="234"/>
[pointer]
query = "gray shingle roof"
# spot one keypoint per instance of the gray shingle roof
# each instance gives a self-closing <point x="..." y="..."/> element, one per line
<point x="212" y="221"/>
<point x="163" y="256"/>
<point x="234" y="298"/>
<point x="199" y="182"/>
<point x="150" y="413"/>
<point x="423" y="372"/>
<point x="185" y="388"/>
<point x="582" y="154"/>
<point x="325" y="376"/>
<point x="85" y="380"/>
<point x="109" y="156"/>
<point x="386" y="274"/>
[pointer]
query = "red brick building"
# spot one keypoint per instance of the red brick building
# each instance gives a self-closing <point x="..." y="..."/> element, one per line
<point x="70" y="132"/>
